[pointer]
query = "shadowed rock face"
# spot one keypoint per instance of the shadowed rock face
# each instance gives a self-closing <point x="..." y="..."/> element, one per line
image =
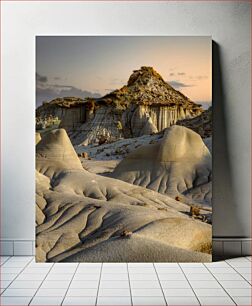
<point x="179" y="165"/>
<point x="81" y="216"/>
<point x="146" y="105"/>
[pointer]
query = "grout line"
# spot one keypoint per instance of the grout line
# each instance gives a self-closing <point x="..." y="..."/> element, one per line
<point x="189" y="284"/>
<point x="220" y="284"/>
<point x="9" y="257"/>
<point x="16" y="276"/>
<point x="160" y="284"/>
<point x="96" y="300"/>
<point x="41" y="283"/>
<point x="70" y="283"/>
<point x="239" y="273"/>
<point x="129" y="284"/>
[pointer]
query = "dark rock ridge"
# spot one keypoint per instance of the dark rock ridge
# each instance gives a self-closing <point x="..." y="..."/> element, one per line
<point x="146" y="105"/>
<point x="201" y="124"/>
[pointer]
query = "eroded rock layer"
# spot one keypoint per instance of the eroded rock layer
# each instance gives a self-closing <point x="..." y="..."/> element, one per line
<point x="146" y="105"/>
<point x="82" y="216"/>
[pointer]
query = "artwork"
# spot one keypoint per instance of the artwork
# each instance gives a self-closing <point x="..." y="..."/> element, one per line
<point x="123" y="149"/>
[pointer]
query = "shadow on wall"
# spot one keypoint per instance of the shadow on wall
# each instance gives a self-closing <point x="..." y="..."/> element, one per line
<point x="226" y="218"/>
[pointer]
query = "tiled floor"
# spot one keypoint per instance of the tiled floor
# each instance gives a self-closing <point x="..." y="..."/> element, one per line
<point x="24" y="282"/>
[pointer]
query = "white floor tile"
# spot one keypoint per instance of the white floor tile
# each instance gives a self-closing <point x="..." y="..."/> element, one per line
<point x="243" y="300"/>
<point x="114" y="270"/>
<point x="248" y="277"/>
<point x="35" y="277"/>
<point x="51" y="292"/>
<point x="243" y="270"/>
<point x="178" y="292"/>
<point x="114" y="276"/>
<point x="8" y="270"/>
<point x="5" y="283"/>
<point x="144" y="284"/>
<point x="114" y="284"/>
<point x="201" y="276"/>
<point x="239" y="291"/>
<point x="114" y="292"/>
<point x="25" y="284"/>
<point x="55" y="284"/>
<point x="88" y="269"/>
<point x="63" y="269"/>
<point x="147" y="300"/>
<point x="237" y="259"/>
<point x="195" y="270"/>
<point x="217" y="264"/>
<point x="19" y="292"/>
<point x="204" y="284"/>
<point x="172" y="276"/>
<point x="82" y="292"/>
<point x="14" y="264"/>
<point x="175" y="284"/>
<point x="104" y="300"/>
<point x="40" y="265"/>
<point x="239" y="264"/>
<point x="47" y="300"/>
<point x="210" y="292"/>
<point x="168" y="270"/>
<point x="146" y="270"/>
<point x="87" y="277"/>
<point x="80" y="301"/>
<point x="59" y="277"/>
<point x="15" y="300"/>
<point x="2" y="290"/>
<point x="85" y="284"/>
<point x="21" y="258"/>
<point x="36" y="271"/>
<point x="220" y="300"/>
<point x="217" y="270"/>
<point x="235" y="284"/>
<point x="146" y="292"/>
<point x="229" y="276"/>
<point x="189" y="300"/>
<point x="10" y="276"/>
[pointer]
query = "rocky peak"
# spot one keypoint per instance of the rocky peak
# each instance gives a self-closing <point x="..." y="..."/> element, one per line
<point x="147" y="87"/>
<point x="143" y="76"/>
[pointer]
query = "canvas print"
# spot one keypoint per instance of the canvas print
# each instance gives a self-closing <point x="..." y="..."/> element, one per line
<point x="123" y="149"/>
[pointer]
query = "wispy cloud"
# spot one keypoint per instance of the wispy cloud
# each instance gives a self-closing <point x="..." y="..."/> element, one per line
<point x="177" y="84"/>
<point x="40" y="78"/>
<point x="47" y="92"/>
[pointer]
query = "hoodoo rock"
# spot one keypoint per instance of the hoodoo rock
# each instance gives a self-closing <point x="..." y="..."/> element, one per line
<point x="146" y="105"/>
<point x="55" y="153"/>
<point x="179" y="165"/>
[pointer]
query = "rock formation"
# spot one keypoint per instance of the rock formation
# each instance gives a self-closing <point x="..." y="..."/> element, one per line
<point x="179" y="165"/>
<point x="82" y="216"/>
<point x="146" y="105"/>
<point x="202" y="124"/>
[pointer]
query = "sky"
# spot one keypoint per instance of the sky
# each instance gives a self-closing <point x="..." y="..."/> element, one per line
<point x="95" y="65"/>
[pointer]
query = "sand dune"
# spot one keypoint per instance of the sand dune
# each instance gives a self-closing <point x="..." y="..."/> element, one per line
<point x="82" y="216"/>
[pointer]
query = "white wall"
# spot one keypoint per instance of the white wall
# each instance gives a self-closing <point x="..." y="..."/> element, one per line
<point x="229" y="25"/>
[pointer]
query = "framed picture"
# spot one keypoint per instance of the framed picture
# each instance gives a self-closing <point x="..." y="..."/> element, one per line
<point x="123" y="148"/>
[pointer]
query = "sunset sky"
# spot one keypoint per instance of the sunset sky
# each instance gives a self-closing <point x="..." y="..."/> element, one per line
<point x="92" y="66"/>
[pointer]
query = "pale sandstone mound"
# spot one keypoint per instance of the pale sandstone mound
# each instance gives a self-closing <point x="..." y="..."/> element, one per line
<point x="37" y="138"/>
<point x="179" y="165"/>
<point x="55" y="153"/>
<point x="81" y="213"/>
